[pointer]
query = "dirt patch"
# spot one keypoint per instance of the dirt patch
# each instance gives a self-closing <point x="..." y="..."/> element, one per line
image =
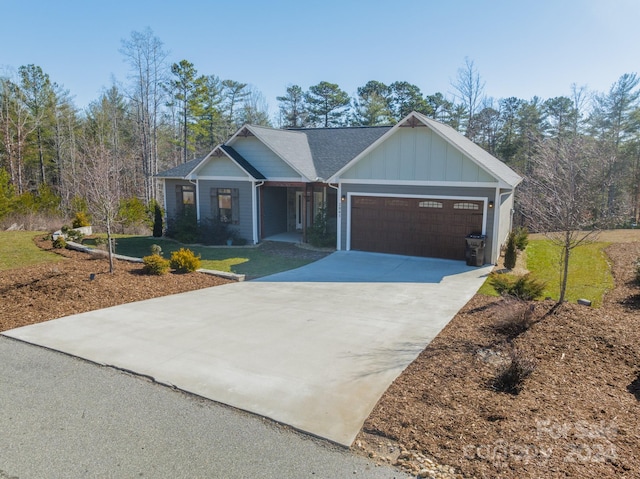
<point x="578" y="414"/>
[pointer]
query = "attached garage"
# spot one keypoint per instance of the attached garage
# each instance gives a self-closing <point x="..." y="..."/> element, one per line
<point x="414" y="226"/>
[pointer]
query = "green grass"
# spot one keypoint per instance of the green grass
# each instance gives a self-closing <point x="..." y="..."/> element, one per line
<point x="252" y="262"/>
<point x="17" y="250"/>
<point x="589" y="273"/>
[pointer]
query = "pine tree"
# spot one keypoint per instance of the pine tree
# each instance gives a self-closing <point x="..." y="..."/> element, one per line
<point x="511" y="253"/>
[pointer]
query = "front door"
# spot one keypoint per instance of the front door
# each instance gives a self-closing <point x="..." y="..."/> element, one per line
<point x="299" y="209"/>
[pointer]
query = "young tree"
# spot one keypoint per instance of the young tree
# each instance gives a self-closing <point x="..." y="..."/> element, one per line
<point x="293" y="111"/>
<point x="556" y="198"/>
<point x="327" y="104"/>
<point x="254" y="109"/>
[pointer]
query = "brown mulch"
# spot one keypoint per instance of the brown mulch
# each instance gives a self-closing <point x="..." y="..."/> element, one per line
<point x="578" y="414"/>
<point x="47" y="291"/>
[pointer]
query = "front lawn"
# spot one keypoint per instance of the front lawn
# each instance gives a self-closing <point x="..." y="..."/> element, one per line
<point x="17" y="250"/>
<point x="589" y="272"/>
<point x="252" y="262"/>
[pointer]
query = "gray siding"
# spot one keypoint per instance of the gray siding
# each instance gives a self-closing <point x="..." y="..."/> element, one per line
<point x="275" y="211"/>
<point x="426" y="191"/>
<point x="245" y="225"/>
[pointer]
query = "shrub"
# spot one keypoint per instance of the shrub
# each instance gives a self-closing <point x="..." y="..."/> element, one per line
<point x="510" y="378"/>
<point x="184" y="261"/>
<point x="72" y="234"/>
<point x="155" y="265"/>
<point x="156" y="249"/>
<point x="80" y="219"/>
<point x="132" y="213"/>
<point x="319" y="233"/>
<point x="511" y="253"/>
<point x="514" y="317"/>
<point x="157" y="220"/>
<point x="521" y="237"/>
<point x="214" y="232"/>
<point x="524" y="287"/>
<point x="184" y="226"/>
<point x="59" y="242"/>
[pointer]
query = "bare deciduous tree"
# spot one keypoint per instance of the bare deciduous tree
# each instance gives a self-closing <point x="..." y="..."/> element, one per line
<point x="469" y="89"/>
<point x="556" y="199"/>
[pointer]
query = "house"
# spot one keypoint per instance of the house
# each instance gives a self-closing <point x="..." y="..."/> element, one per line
<point x="415" y="188"/>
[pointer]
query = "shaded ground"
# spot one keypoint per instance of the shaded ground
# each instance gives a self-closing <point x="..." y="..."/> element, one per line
<point x="578" y="414"/>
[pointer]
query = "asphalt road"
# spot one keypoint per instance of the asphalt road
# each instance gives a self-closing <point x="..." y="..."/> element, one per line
<point x="63" y="417"/>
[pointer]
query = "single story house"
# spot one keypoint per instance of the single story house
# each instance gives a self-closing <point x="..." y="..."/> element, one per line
<point x="416" y="188"/>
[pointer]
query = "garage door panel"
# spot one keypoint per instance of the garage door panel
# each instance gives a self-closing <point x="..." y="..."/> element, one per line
<point x="413" y="226"/>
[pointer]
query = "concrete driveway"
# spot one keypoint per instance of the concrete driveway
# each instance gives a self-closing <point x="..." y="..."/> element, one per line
<point x="314" y="348"/>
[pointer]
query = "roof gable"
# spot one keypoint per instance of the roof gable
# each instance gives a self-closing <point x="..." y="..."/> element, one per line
<point x="430" y="152"/>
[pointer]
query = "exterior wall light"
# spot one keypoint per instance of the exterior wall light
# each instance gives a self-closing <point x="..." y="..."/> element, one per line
<point x="490" y="204"/>
<point x="343" y="198"/>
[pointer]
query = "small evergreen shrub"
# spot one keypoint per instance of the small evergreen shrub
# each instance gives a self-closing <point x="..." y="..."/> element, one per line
<point x="184" y="261"/>
<point x="510" y="378"/>
<point x="319" y="233"/>
<point x="157" y="220"/>
<point x="73" y="235"/>
<point x="156" y="249"/>
<point x="525" y="287"/>
<point x="521" y="237"/>
<point x="511" y="253"/>
<point x="184" y="227"/>
<point x="155" y="265"/>
<point x="59" y="242"/>
<point x="80" y="220"/>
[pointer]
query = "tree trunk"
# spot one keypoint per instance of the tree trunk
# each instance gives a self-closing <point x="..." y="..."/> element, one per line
<point x="109" y="245"/>
<point x="566" y="252"/>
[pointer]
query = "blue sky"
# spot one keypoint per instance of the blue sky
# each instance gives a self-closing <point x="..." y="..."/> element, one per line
<point x="521" y="48"/>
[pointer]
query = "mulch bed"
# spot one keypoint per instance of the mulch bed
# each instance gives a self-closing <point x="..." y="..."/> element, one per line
<point x="577" y="415"/>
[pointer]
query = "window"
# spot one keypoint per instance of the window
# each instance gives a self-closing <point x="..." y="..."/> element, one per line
<point x="466" y="206"/>
<point x="225" y="205"/>
<point x="430" y="204"/>
<point x="185" y="196"/>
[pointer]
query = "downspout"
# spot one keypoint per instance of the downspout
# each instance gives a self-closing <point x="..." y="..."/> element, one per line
<point x="197" y="185"/>
<point x="338" y="215"/>
<point x="254" y="209"/>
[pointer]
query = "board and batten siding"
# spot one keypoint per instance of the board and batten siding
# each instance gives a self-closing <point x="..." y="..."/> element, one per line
<point x="417" y="154"/>
<point x="220" y="166"/>
<point x="421" y="191"/>
<point x="263" y="159"/>
<point x="245" y="218"/>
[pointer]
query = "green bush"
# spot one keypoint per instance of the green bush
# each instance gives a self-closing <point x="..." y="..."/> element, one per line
<point x="72" y="234"/>
<point x="184" y="226"/>
<point x="319" y="233"/>
<point x="156" y="249"/>
<point x="521" y="237"/>
<point x="80" y="220"/>
<point x="184" y="261"/>
<point x="155" y="265"/>
<point x="158" y="227"/>
<point x="524" y="287"/>
<point x="59" y="242"/>
<point x="511" y="253"/>
<point x="132" y="212"/>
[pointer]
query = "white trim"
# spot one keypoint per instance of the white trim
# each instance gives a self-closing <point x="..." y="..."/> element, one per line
<point x="495" y="250"/>
<point x="287" y="180"/>
<point x="198" y="200"/>
<point x="484" y="200"/>
<point x="164" y="203"/>
<point x="452" y="184"/>
<point x="254" y="209"/>
<point x="225" y="178"/>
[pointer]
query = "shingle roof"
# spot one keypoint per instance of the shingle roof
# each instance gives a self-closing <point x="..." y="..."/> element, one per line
<point x="332" y="148"/>
<point x="182" y="170"/>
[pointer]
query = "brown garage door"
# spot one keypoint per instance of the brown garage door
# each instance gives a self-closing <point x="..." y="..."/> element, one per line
<point x="414" y="226"/>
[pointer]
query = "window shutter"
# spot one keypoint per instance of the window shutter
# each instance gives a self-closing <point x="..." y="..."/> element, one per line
<point x="235" y="206"/>
<point x="179" y="204"/>
<point x="215" y="213"/>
